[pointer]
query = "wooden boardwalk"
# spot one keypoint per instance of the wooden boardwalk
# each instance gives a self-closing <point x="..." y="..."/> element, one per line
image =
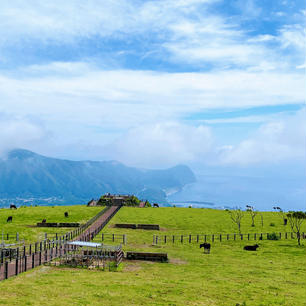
<point x="50" y="250"/>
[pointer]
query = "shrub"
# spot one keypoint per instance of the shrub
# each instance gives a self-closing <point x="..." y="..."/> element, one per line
<point x="272" y="236"/>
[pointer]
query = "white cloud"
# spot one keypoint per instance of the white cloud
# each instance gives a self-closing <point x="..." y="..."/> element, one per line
<point x="278" y="140"/>
<point x="161" y="144"/>
<point x="19" y="132"/>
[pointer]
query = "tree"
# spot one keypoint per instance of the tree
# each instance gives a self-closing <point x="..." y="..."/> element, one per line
<point x="296" y="219"/>
<point x="148" y="204"/>
<point x="132" y="201"/>
<point x="253" y="214"/>
<point x="236" y="216"/>
<point x="281" y="213"/>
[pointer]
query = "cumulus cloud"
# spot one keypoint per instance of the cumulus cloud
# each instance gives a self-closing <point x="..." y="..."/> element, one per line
<point x="162" y="144"/>
<point x="19" y="132"/>
<point x="276" y="141"/>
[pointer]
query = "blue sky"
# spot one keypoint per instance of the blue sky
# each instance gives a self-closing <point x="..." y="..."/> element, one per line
<point x="155" y="83"/>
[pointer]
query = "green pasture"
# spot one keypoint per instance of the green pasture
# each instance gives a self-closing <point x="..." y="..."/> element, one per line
<point x="229" y="276"/>
<point x="186" y="221"/>
<point x="25" y="220"/>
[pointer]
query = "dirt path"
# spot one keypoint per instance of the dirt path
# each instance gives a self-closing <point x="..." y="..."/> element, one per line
<point x="53" y="250"/>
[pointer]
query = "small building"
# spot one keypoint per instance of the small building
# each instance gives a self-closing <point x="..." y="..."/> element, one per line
<point x="116" y="199"/>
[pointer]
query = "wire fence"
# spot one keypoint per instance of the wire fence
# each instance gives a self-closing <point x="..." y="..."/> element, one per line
<point x="196" y="238"/>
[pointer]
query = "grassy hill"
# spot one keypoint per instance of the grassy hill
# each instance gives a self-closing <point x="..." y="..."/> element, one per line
<point x="25" y="219"/>
<point x="274" y="275"/>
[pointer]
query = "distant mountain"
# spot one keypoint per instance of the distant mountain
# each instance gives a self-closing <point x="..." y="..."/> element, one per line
<point x="29" y="177"/>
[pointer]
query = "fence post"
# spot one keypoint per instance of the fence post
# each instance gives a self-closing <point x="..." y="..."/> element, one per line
<point x="113" y="237"/>
<point x="182" y="238"/>
<point x="17" y="236"/>
<point x="25" y="263"/>
<point x="286" y="235"/>
<point x="255" y="236"/>
<point x="16" y="266"/>
<point x="33" y="261"/>
<point x="280" y="235"/>
<point x="213" y="238"/>
<point x="227" y="236"/>
<point x="205" y="238"/>
<point x="173" y="237"/>
<point x="189" y="238"/>
<point x="234" y="236"/>
<point x="197" y="238"/>
<point x="248" y="236"/>
<point x="220" y="237"/>
<point x="102" y="237"/>
<point x="6" y="270"/>
<point x="165" y="239"/>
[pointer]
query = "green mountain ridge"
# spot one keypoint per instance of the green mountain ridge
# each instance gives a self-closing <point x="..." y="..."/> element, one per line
<point x="27" y="175"/>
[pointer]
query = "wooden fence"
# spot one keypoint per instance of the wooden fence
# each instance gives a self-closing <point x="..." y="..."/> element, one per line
<point x="114" y="237"/>
<point x="197" y="238"/>
<point x="40" y="252"/>
<point x="9" y="236"/>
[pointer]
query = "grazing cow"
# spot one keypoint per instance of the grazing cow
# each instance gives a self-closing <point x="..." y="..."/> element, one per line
<point x="206" y="247"/>
<point x="44" y="221"/>
<point x="155" y="205"/>
<point x="251" y="247"/>
<point x="66" y="214"/>
<point x="9" y="219"/>
<point x="13" y="206"/>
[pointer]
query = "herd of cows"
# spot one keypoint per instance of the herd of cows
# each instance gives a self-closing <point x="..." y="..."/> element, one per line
<point x="207" y="247"/>
<point x="12" y="206"/>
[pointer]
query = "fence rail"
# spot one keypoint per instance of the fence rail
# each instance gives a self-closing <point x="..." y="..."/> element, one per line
<point x="196" y="238"/>
<point x="10" y="236"/>
<point x="114" y="237"/>
<point x="29" y="256"/>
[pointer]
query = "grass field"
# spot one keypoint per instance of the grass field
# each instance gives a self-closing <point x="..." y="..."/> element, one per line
<point x="25" y="219"/>
<point x="274" y="275"/>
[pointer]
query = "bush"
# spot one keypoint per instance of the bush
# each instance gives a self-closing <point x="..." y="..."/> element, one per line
<point x="272" y="224"/>
<point x="272" y="236"/>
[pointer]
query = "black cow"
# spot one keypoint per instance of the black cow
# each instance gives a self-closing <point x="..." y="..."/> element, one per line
<point x="66" y="214"/>
<point x="44" y="221"/>
<point x="155" y="205"/>
<point x="251" y="247"/>
<point x="13" y="206"/>
<point x="206" y="247"/>
<point x="9" y="219"/>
